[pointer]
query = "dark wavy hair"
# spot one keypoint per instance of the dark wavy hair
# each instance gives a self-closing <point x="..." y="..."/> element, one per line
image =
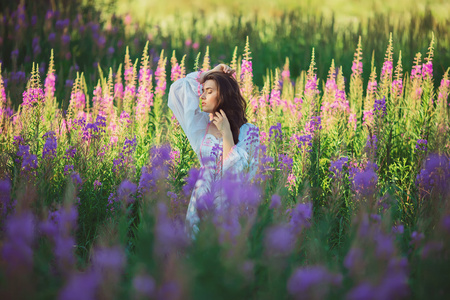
<point x="230" y="101"/>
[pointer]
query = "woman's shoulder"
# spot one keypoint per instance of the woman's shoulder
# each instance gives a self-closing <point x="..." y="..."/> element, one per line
<point x="248" y="129"/>
<point x="249" y="126"/>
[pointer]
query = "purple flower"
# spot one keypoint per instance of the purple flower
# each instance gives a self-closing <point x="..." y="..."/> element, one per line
<point x="205" y="203"/>
<point x="301" y="215"/>
<point x="394" y="285"/>
<point x="275" y="201"/>
<point x="60" y="222"/>
<point x="379" y="107"/>
<point x="434" y="176"/>
<point x="160" y="76"/>
<point x="76" y="178"/>
<point x="97" y="183"/>
<point x="51" y="37"/>
<point x="386" y="71"/>
<point x="14" y="54"/>
<point x="372" y="142"/>
<point x="285" y="74"/>
<point x="364" y="182"/>
<point x="421" y="145"/>
<point x="64" y="250"/>
<point x="432" y="248"/>
<point x="109" y="259"/>
<point x="416" y="238"/>
<point x="331" y="85"/>
<point x="279" y="240"/>
<point x="363" y="291"/>
<point x="170" y="234"/>
<point x="398" y="229"/>
<point x="337" y="166"/>
<point x="147" y="181"/>
<point x="303" y="141"/>
<point x="175" y="72"/>
<point x="285" y="162"/>
<point x="126" y="191"/>
<point x="118" y="91"/>
<point x="314" y="124"/>
<point x="385" y="247"/>
<point x="170" y="290"/>
<point x="61" y="24"/>
<point x="49" y="85"/>
<point x="18" y="76"/>
<point x="144" y="285"/>
<point x="416" y="72"/>
<point x="275" y="132"/>
<point x="125" y="118"/>
<point x="5" y="195"/>
<point x="193" y="176"/>
<point x="397" y="87"/>
<point x="81" y="286"/>
<point x="312" y="282"/>
<point x="357" y="67"/>
<point x="69" y="83"/>
<point x="158" y="169"/>
<point x="129" y="145"/>
<point x="77" y="99"/>
<point x="29" y="162"/>
<point x="24" y="150"/>
<point x="65" y="39"/>
<point x="19" y="236"/>
<point x="372" y="87"/>
<point x="311" y="87"/>
<point x="427" y="70"/>
<point x="353" y="259"/>
<point x="445" y="223"/>
<point x="68" y="169"/>
<point x="32" y="96"/>
<point x="50" y="145"/>
<point x="33" y="20"/>
<point x="246" y="68"/>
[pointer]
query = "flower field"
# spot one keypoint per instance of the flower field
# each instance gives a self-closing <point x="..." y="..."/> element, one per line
<point x="352" y="195"/>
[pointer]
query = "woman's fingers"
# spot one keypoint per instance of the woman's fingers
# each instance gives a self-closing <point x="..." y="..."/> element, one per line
<point x="226" y="69"/>
<point x="222" y="113"/>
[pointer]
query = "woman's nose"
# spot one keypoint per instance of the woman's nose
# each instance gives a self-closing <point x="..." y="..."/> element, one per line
<point x="203" y="96"/>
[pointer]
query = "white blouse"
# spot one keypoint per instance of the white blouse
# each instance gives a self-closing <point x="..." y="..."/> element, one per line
<point x="242" y="158"/>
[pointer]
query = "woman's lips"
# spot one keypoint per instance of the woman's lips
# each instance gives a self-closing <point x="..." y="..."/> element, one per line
<point x="203" y="104"/>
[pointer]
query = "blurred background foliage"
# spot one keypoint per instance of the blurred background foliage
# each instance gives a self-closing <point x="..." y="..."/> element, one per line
<point x="88" y="34"/>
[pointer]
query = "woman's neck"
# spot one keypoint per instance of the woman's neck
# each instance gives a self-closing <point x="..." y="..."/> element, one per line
<point x="212" y="129"/>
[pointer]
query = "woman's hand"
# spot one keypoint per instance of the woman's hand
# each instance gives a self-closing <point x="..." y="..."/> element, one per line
<point x="219" y="68"/>
<point x="223" y="68"/>
<point x="223" y="125"/>
<point x="221" y="121"/>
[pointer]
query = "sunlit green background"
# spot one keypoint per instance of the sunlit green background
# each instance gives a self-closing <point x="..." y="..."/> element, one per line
<point x="345" y="11"/>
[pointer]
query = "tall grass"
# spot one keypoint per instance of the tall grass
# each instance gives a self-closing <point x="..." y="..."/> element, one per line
<point x="84" y="42"/>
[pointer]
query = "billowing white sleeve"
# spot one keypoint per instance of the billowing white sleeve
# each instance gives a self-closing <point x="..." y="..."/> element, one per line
<point x="243" y="157"/>
<point x="184" y="102"/>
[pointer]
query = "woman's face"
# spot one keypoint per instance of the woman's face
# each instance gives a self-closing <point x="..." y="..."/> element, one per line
<point x="209" y="96"/>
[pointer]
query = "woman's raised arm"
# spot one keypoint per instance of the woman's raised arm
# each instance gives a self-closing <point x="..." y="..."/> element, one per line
<point x="184" y="102"/>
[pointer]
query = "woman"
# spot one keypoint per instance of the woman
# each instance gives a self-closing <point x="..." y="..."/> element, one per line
<point x="218" y="132"/>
